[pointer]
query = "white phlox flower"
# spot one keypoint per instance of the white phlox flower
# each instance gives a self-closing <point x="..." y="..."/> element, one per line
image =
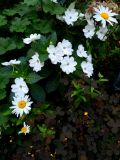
<point x="21" y="105"/>
<point x="89" y="18"/>
<point x="55" y="54"/>
<point x="66" y="47"/>
<point x="59" y="17"/>
<point x="89" y="58"/>
<point x="81" y="15"/>
<point x="35" y="62"/>
<point x="55" y="1"/>
<point x="71" y="16"/>
<point x="11" y="62"/>
<point x="20" y="87"/>
<point x="89" y="31"/>
<point x="101" y="33"/>
<point x="104" y="15"/>
<point x="87" y="68"/>
<point x="68" y="65"/>
<point x="32" y="38"/>
<point x="81" y="51"/>
<point x="25" y="129"/>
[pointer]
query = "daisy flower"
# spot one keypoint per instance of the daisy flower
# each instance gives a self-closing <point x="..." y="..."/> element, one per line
<point x="25" y="129"/>
<point x="20" y="87"/>
<point x="32" y="38"/>
<point x="21" y="104"/>
<point x="35" y="63"/>
<point x="11" y="62"/>
<point x="104" y="15"/>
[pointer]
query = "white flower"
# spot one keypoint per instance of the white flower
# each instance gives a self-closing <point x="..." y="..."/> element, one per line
<point x="55" y="54"/>
<point x="89" y="58"/>
<point x="66" y="47"/>
<point x="21" y="104"/>
<point x="101" y="33"/>
<point x="11" y="62"/>
<point x="20" y="87"/>
<point x="68" y="65"/>
<point x="89" y="31"/>
<point x="60" y="18"/>
<point x="32" y="38"/>
<point x="25" y="129"/>
<point x="89" y="19"/>
<point x="81" y="15"/>
<point x="71" y="16"/>
<point x="104" y="15"/>
<point x="55" y="1"/>
<point x="81" y="52"/>
<point x="35" y="63"/>
<point x="87" y="68"/>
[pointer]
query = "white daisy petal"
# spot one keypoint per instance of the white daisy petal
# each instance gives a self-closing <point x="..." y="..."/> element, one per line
<point x="21" y="105"/>
<point x="104" y="15"/>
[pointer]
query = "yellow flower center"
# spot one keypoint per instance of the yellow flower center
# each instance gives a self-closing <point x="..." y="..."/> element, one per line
<point x="85" y="113"/>
<point x="104" y="15"/>
<point x="21" y="104"/>
<point x="24" y="129"/>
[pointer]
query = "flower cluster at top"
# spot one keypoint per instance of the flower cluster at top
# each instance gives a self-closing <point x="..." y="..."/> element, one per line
<point x="100" y="14"/>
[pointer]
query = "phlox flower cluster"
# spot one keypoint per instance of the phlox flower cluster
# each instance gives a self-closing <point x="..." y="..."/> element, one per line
<point x="100" y="14"/>
<point x="62" y="54"/>
<point x="86" y="65"/>
<point x="35" y="62"/>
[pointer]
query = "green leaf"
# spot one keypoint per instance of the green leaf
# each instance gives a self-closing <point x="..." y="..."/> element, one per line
<point x="33" y="78"/>
<point x="6" y="72"/>
<point x="19" y="25"/>
<point x="3" y="82"/>
<point x="53" y="38"/>
<point x="19" y="42"/>
<point x="6" y="44"/>
<point x="52" y="84"/>
<point x="38" y="92"/>
<point x="4" y="109"/>
<point x="45" y="26"/>
<point x="19" y="9"/>
<point x="3" y="120"/>
<point x="43" y="57"/>
<point x="3" y="20"/>
<point x="53" y="8"/>
<point x="31" y="2"/>
<point x="2" y="94"/>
